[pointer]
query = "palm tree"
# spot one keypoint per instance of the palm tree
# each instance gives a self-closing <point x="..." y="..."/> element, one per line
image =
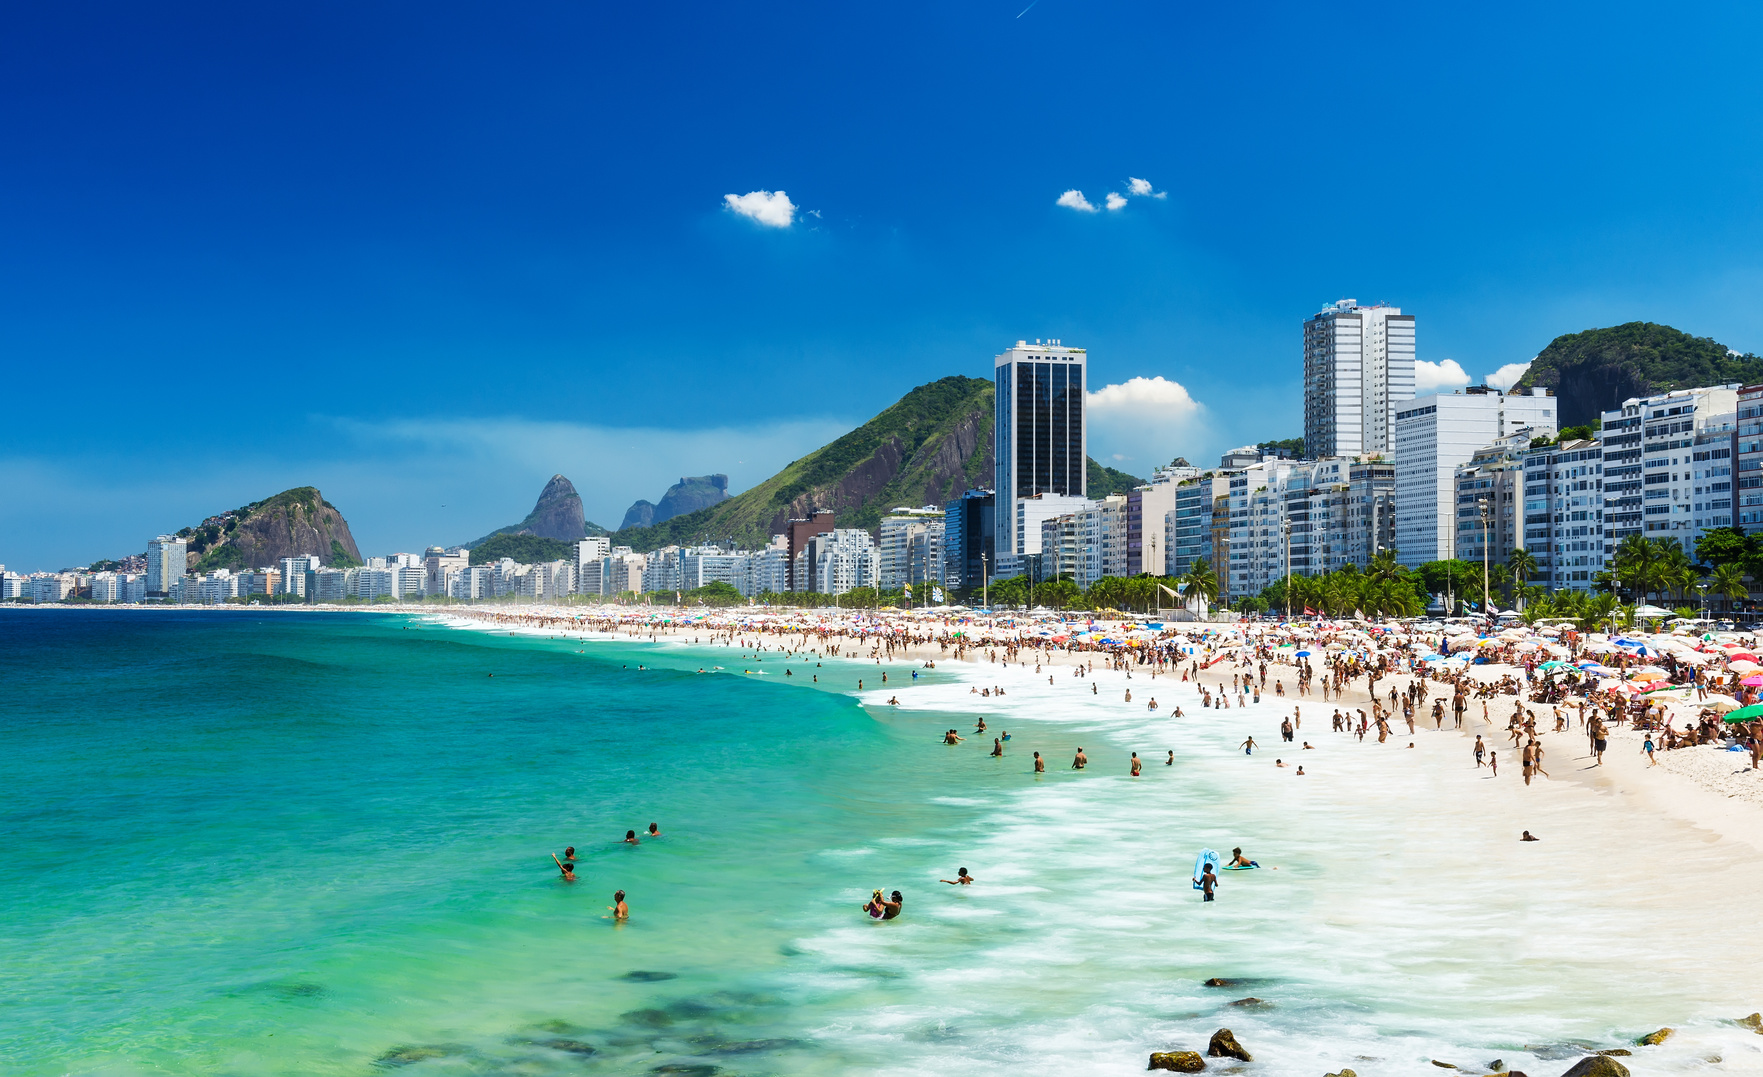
<point x="1729" y="580"/>
<point x="1523" y="566"/>
<point x="1199" y="582"/>
<point x="1637" y="563"/>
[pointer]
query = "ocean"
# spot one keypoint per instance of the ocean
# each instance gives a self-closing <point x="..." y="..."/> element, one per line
<point x="252" y="843"/>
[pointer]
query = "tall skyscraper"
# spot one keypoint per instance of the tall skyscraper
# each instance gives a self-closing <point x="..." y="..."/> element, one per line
<point x="166" y="564"/>
<point x="1039" y="433"/>
<point x="1358" y="364"/>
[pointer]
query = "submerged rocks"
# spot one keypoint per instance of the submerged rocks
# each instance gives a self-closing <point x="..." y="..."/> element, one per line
<point x="1343" y="1073"/>
<point x="1654" y="1039"/>
<point x="1443" y="1065"/>
<point x="1225" y="1045"/>
<point x="647" y="976"/>
<point x="1597" y="1066"/>
<point x="1252" y="1003"/>
<point x="1177" y="1061"/>
<point x="404" y="1056"/>
<point x="1219" y="981"/>
<point x="574" y="1047"/>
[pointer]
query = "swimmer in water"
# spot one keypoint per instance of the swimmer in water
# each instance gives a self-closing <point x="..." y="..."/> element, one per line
<point x="654" y="830"/>
<point x="1238" y="860"/>
<point x="630" y="838"/>
<point x="952" y="737"/>
<point x="1040" y="764"/>
<point x="874" y="906"/>
<point x="1529" y="837"/>
<point x="1080" y="761"/>
<point x="961" y="878"/>
<point x="891" y="907"/>
<point x="566" y="867"/>
<point x="997" y="747"/>
<point x="1170" y="762"/>
<point x="620" y="911"/>
<point x="1248" y="746"/>
<point x="1135" y="764"/>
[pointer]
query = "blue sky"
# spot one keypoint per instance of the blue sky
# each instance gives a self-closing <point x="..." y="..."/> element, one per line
<point x="424" y="256"/>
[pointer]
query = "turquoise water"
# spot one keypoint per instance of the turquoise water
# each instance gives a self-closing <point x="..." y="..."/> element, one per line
<point x="318" y="844"/>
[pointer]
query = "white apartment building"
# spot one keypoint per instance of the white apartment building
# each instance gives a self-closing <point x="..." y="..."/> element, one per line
<point x="1148" y="507"/>
<point x="1436" y="433"/>
<point x="1039" y="432"/>
<point x="911" y="545"/>
<point x="372" y="583"/>
<point x="1488" y="504"/>
<point x="50" y="587"/>
<point x="166" y="563"/>
<point x="329" y="584"/>
<point x="1678" y="447"/>
<point x="438" y="563"/>
<point x="1564" y="512"/>
<point x="768" y="570"/>
<point x="837" y="561"/>
<point x="411" y="581"/>
<point x="1257" y="511"/>
<point x="1358" y="367"/>
<point x="1187" y="529"/>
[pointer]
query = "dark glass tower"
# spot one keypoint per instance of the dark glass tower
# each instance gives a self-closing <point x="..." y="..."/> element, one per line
<point x="1039" y="432"/>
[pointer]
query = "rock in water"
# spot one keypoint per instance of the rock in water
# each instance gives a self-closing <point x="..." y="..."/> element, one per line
<point x="1753" y="1022"/>
<point x="1252" y="1003"/>
<point x="1219" y="981"/>
<point x="1177" y="1061"/>
<point x="1344" y="1073"/>
<point x="1597" y="1066"/>
<point x="1443" y="1065"/>
<point x="1225" y="1045"/>
<point x="1654" y="1039"/>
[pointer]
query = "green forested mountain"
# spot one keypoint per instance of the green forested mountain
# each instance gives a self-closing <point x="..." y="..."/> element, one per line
<point x="1101" y="481"/>
<point x="1598" y="369"/>
<point x="931" y="445"/>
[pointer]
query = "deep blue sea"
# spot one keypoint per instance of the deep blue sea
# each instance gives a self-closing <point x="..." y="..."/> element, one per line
<point x="315" y="844"/>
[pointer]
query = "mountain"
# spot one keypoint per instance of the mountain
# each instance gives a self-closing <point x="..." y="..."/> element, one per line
<point x="687" y="495"/>
<point x="293" y="523"/>
<point x="523" y="548"/>
<point x="1101" y="481"/>
<point x="557" y="515"/>
<point x="930" y="446"/>
<point x="1598" y="369"/>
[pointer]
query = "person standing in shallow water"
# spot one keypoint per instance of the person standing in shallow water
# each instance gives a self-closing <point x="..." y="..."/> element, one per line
<point x="1208" y="883"/>
<point x="1136" y="766"/>
<point x="1040" y="764"/>
<point x="1080" y="761"/>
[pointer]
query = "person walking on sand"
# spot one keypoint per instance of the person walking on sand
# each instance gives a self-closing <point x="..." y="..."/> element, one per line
<point x="1480" y="750"/>
<point x="1647" y="750"/>
<point x="1494" y="762"/>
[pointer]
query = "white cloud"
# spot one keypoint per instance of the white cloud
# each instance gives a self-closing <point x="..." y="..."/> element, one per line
<point x="1114" y="201"/>
<point x="770" y="208"/>
<point x="1508" y="375"/>
<point x="1430" y="377"/>
<point x="1141" y="188"/>
<point x="1074" y="199"/>
<point x="1144" y="422"/>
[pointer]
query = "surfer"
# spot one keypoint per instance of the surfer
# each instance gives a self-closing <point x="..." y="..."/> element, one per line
<point x="1238" y="860"/>
<point x="1208" y="883"/>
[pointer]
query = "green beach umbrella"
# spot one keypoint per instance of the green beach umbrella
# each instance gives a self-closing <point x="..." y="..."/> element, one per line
<point x="1746" y="714"/>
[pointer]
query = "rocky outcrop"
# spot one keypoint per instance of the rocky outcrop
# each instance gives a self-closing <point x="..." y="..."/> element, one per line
<point x="1225" y="1045"/>
<point x="1597" y="1066"/>
<point x="1251" y="1003"/>
<point x="1219" y="981"/>
<point x="1343" y="1073"/>
<point x="691" y="493"/>
<point x="1654" y="1039"/>
<point x="556" y="515"/>
<point x="1177" y="1061"/>
<point x="293" y="523"/>
<point x="1600" y="368"/>
<point x="1753" y="1022"/>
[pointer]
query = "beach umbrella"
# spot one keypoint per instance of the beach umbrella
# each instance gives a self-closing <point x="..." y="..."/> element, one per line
<point x="1741" y="656"/>
<point x="1755" y="680"/>
<point x="1746" y="714"/>
<point x="1720" y="702"/>
<point x="1302" y="654"/>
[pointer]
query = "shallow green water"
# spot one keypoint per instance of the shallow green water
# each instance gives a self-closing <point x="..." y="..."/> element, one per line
<point x="319" y="844"/>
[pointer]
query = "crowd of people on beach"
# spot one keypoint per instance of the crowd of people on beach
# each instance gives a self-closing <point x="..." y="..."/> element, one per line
<point x="1681" y="689"/>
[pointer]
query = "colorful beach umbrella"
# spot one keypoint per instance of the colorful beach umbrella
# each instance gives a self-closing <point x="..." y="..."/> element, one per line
<point x="1746" y="714"/>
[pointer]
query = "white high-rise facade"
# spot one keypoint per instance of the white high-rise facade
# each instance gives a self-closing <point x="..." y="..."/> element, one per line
<point x="1358" y="365"/>
<point x="165" y="564"/>
<point x="1039" y="433"/>
<point x="1434" y="435"/>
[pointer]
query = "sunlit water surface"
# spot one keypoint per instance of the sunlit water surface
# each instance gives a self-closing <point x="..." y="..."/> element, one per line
<point x="319" y="844"/>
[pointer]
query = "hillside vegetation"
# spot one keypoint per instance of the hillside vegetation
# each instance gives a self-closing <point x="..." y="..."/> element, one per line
<point x="1598" y="369"/>
<point x="293" y="523"/>
<point x="930" y="446"/>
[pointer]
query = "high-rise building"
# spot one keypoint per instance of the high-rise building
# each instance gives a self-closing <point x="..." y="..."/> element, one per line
<point x="911" y="545"/>
<point x="1039" y="433"/>
<point x="1668" y="463"/>
<point x="969" y="532"/>
<point x="1436" y="433"/>
<point x="1564" y="512"/>
<point x="1487" y="499"/>
<point x="797" y="533"/>
<point x="1358" y="365"/>
<point x="166" y="564"/>
<point x="1748" y="459"/>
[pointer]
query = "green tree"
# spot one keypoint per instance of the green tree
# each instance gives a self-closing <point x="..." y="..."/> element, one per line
<point x="1728" y="580"/>
<point x="1199" y="582"/>
<point x="1523" y="566"/>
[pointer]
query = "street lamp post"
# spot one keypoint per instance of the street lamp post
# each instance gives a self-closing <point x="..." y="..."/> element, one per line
<point x="1481" y="503"/>
<point x="984" y="589"/>
<point x="1285" y="527"/>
